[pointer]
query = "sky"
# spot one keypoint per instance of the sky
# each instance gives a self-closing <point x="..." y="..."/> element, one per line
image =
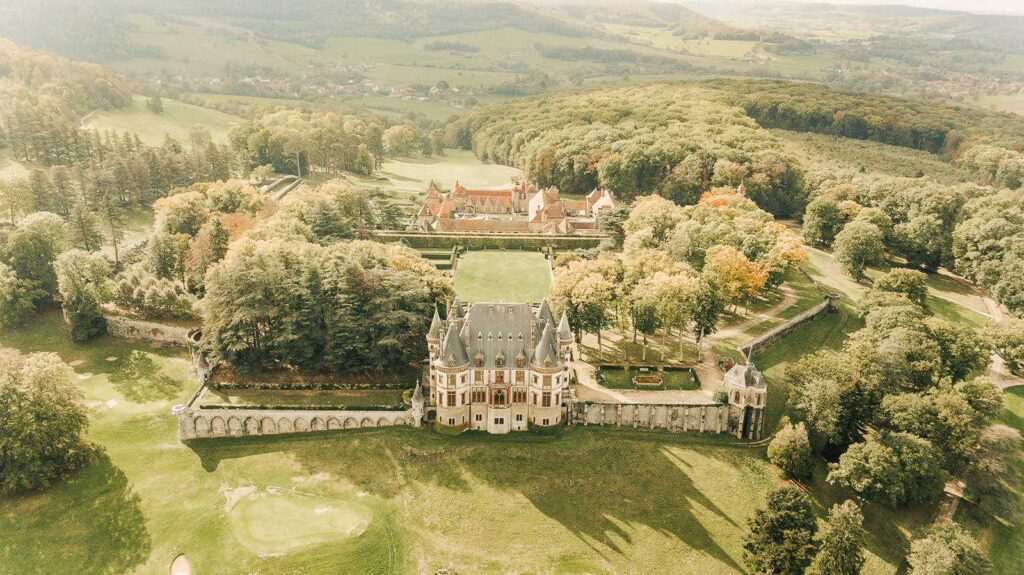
<point x="980" y="6"/>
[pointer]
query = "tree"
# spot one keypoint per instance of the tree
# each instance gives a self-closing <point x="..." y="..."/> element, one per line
<point x="790" y="450"/>
<point x="822" y="221"/>
<point x="30" y="251"/>
<point x="780" y="537"/>
<point x="84" y="284"/>
<point x="155" y="104"/>
<point x="840" y="542"/>
<point x="15" y="299"/>
<point x="1008" y="340"/>
<point x="612" y="221"/>
<point x="894" y="467"/>
<point x="15" y="198"/>
<point x="858" y="246"/>
<point x="831" y="397"/>
<point x="84" y="229"/>
<point x="400" y="140"/>
<point x="738" y="278"/>
<point x="962" y="349"/>
<point x="42" y="423"/>
<point x="910" y="283"/>
<point x="209" y="247"/>
<point x="946" y="549"/>
<point x="706" y="309"/>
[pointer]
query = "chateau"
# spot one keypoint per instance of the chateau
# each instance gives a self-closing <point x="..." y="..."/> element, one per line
<point x="518" y="207"/>
<point x="499" y="367"/>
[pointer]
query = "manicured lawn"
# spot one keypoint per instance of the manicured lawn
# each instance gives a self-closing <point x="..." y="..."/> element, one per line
<point x="674" y="379"/>
<point x="502" y="276"/>
<point x="177" y="119"/>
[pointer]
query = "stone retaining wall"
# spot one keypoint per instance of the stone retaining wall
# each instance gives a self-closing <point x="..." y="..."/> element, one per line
<point x="194" y="423"/>
<point x="761" y="341"/>
<point x="711" y="418"/>
<point x="153" y="333"/>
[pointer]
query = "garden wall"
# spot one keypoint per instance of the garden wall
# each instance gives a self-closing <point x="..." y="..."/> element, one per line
<point x="761" y="341"/>
<point x="153" y="333"/>
<point x="195" y="423"/>
<point x="712" y="418"/>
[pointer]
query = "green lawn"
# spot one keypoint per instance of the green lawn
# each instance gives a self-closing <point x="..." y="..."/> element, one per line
<point x="177" y="120"/>
<point x="502" y="276"/>
<point x="1004" y="536"/>
<point x="385" y="501"/>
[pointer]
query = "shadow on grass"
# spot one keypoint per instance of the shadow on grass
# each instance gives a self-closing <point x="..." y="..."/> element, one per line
<point x="596" y="488"/>
<point x="95" y="516"/>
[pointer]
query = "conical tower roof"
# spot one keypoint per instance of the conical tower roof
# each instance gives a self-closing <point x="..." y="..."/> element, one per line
<point x="435" y="332"/>
<point x="564" y="333"/>
<point x="453" y="352"/>
<point x="544" y="314"/>
<point x="545" y="349"/>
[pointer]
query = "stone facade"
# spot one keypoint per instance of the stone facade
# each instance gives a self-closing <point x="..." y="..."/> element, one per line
<point x="498" y="367"/>
<point x="196" y="423"/>
<point x="705" y="418"/>
<point x="748" y="397"/>
<point x="516" y="208"/>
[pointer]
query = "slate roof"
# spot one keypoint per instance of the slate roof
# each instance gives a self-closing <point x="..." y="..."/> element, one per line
<point x="492" y="332"/>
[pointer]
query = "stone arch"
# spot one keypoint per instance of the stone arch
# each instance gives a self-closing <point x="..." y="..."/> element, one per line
<point x="217" y="426"/>
<point x="366" y="422"/>
<point x="383" y="422"/>
<point x="301" y="424"/>
<point x="284" y="425"/>
<point x="252" y="426"/>
<point x="333" y="423"/>
<point x="351" y="423"/>
<point x="317" y="424"/>
<point x="267" y="425"/>
<point x="202" y="426"/>
<point x="235" y="426"/>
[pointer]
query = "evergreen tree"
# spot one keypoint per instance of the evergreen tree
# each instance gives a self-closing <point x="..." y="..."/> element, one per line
<point x="840" y="543"/>
<point x="780" y="538"/>
<point x="84" y="229"/>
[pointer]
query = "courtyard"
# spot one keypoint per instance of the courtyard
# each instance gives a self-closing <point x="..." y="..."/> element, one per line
<point x="502" y="276"/>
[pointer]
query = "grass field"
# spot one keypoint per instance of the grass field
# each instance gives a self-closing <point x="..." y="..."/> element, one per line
<point x="1003" y="103"/>
<point x="177" y="120"/>
<point x="502" y="276"/>
<point x="619" y="378"/>
<point x="389" y="500"/>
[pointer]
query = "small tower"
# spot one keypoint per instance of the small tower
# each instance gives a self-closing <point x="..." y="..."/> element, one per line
<point x="434" y="335"/>
<point x="748" y="396"/>
<point x="418" y="405"/>
<point x="565" y="338"/>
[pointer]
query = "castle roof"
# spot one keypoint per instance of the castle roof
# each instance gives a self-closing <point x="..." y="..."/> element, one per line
<point x="744" y="376"/>
<point x="564" y="333"/>
<point x="493" y="334"/>
<point x="435" y="327"/>
<point x="546" y="347"/>
<point x="453" y="352"/>
<point x="544" y="314"/>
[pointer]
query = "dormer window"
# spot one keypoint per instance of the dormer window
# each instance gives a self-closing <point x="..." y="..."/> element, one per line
<point x="520" y="362"/>
<point x="499" y="361"/>
<point x="478" y="360"/>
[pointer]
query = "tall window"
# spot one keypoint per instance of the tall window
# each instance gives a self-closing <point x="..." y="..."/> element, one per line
<point x="519" y="396"/>
<point x="546" y="400"/>
<point x="451" y="399"/>
<point x="520" y="377"/>
<point x="479" y="396"/>
<point x="451" y="379"/>
<point x="547" y="381"/>
<point x="478" y="376"/>
<point x="499" y="377"/>
<point x="499" y="397"/>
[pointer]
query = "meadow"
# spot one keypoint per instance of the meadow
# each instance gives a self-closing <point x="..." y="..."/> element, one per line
<point x="177" y="121"/>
